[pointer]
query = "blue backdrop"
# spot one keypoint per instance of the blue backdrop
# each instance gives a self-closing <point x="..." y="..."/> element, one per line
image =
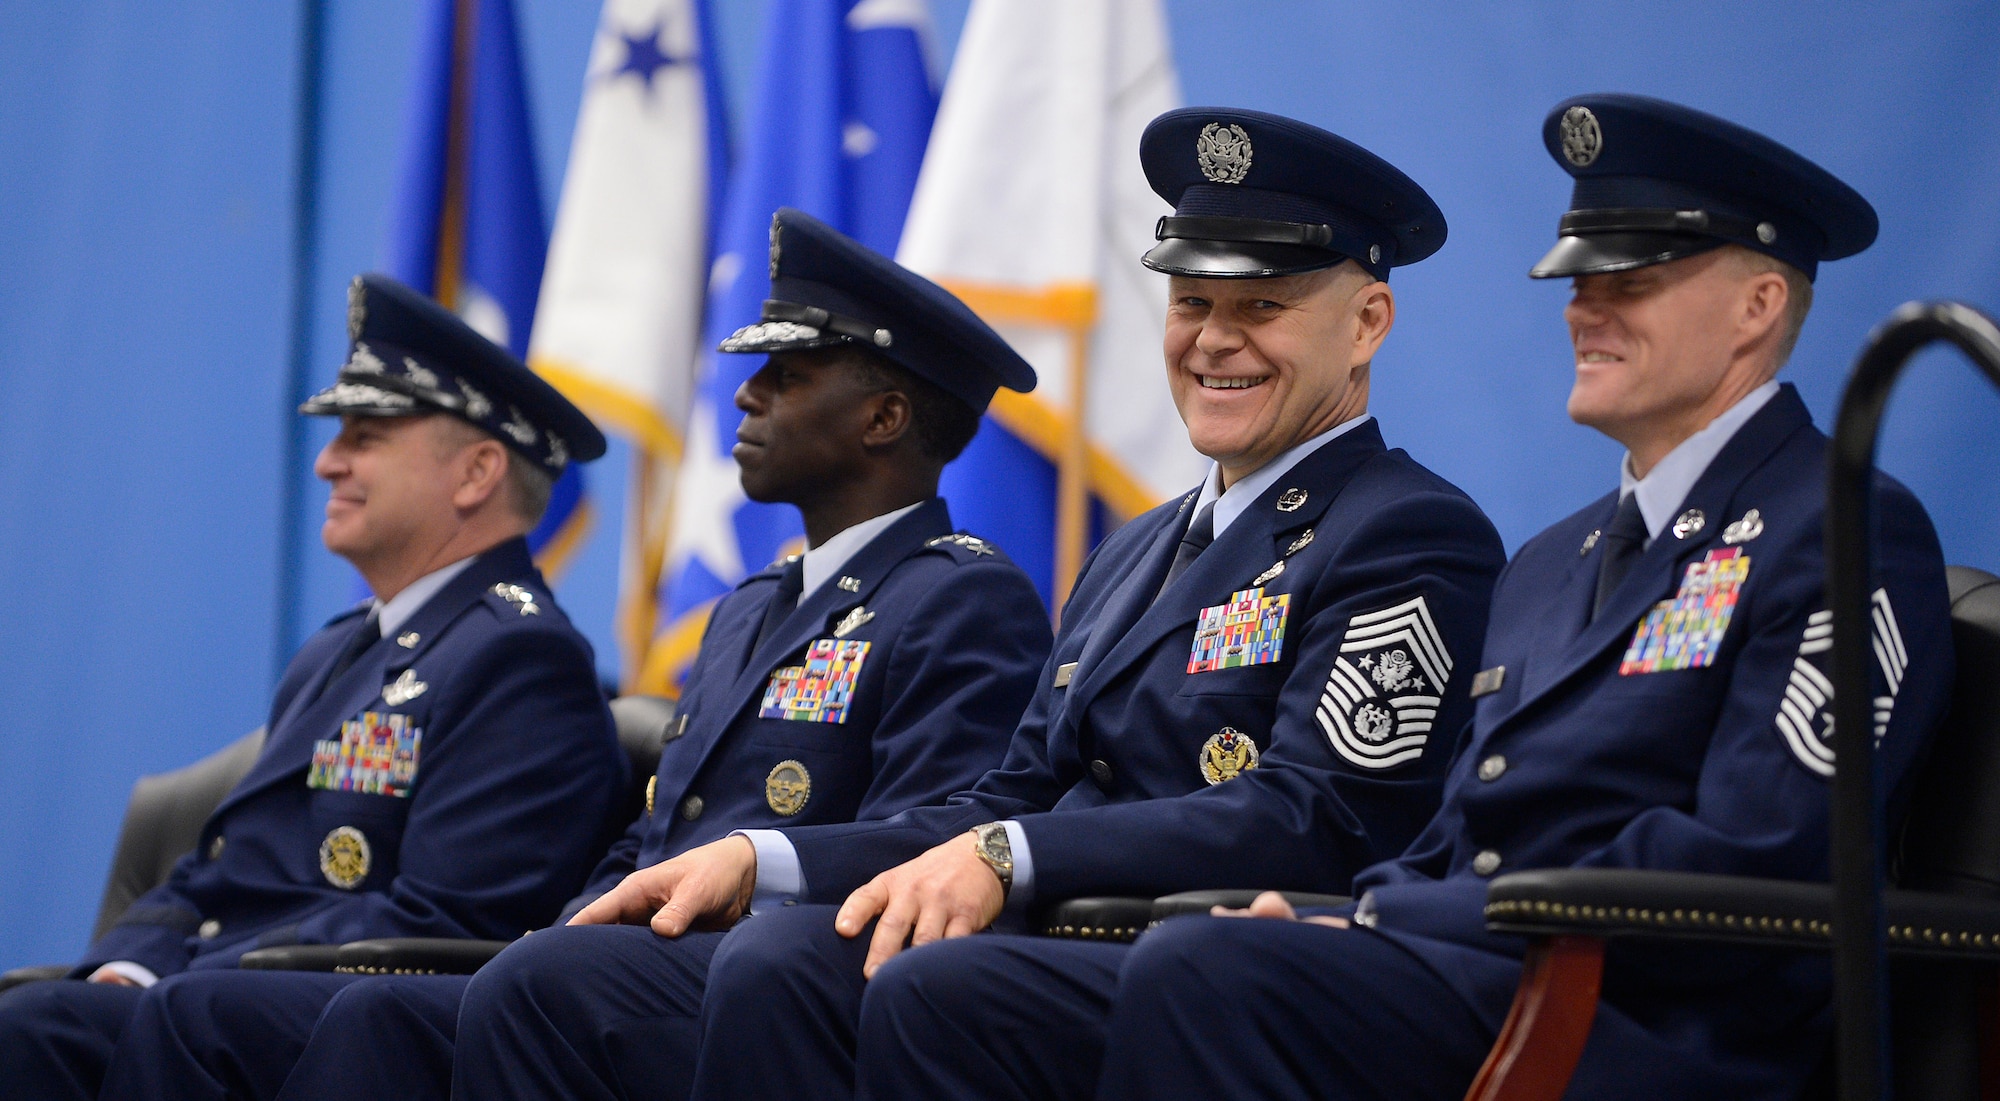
<point x="152" y="247"/>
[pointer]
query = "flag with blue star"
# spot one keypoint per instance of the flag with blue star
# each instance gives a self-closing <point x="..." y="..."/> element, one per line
<point x="840" y="116"/>
<point x="618" y="328"/>
<point x="467" y="226"/>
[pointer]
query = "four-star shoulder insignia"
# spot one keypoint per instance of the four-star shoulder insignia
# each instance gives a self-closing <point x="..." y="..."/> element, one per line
<point x="972" y="543"/>
<point x="522" y="599"/>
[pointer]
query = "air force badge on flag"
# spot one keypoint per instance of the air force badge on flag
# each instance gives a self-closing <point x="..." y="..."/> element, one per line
<point x="1385" y="687"/>
<point x="1805" y="715"/>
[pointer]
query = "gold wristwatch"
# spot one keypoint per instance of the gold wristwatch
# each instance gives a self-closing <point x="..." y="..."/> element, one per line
<point x="990" y="842"/>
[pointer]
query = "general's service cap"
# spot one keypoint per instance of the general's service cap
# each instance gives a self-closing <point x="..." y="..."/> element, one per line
<point x="410" y="356"/>
<point x="1656" y="181"/>
<point x="1259" y="195"/>
<point x="828" y="289"/>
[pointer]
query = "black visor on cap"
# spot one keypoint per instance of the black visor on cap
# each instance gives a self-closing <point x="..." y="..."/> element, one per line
<point x="1208" y="259"/>
<point x="1598" y="253"/>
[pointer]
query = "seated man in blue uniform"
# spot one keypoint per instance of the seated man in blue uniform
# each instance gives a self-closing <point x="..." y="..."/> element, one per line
<point x="1655" y="688"/>
<point x="883" y="669"/>
<point x="1260" y="682"/>
<point x="440" y="759"/>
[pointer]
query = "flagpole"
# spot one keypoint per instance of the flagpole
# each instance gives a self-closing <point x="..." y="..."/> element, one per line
<point x="1073" y="473"/>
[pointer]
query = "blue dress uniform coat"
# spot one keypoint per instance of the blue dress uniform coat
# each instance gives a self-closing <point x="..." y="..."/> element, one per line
<point x="1113" y="775"/>
<point x="954" y="637"/>
<point x="515" y="770"/>
<point x="1591" y="752"/>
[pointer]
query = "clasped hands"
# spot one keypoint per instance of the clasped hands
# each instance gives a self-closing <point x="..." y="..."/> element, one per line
<point x="946" y="892"/>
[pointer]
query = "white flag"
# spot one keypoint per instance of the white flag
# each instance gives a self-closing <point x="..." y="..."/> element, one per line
<point x="620" y="314"/>
<point x="1033" y="208"/>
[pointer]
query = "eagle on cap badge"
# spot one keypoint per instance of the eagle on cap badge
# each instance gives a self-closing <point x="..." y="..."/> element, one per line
<point x="1223" y="152"/>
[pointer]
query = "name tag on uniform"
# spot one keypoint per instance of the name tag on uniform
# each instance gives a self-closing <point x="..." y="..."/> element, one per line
<point x="1686" y="632"/>
<point x="1249" y="630"/>
<point x="821" y="690"/>
<point x="376" y="754"/>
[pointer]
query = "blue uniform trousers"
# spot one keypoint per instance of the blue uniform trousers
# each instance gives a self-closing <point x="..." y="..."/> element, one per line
<point x="56" y="1037"/>
<point x="384" y="1036"/>
<point x="211" y="1034"/>
<point x="585" y="1012"/>
<point x="786" y="992"/>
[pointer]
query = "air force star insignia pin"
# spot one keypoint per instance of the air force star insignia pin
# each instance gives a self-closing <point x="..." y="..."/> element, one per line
<point x="403" y="689"/>
<point x="852" y="622"/>
<point x="1744" y="530"/>
<point x="520" y="598"/>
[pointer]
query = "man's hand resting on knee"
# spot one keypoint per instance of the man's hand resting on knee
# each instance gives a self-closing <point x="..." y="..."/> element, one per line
<point x="704" y="888"/>
<point x="947" y="892"/>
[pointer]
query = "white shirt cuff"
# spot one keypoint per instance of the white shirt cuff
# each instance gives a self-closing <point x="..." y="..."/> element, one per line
<point x="780" y="880"/>
<point x="138" y="973"/>
<point x="1023" y="890"/>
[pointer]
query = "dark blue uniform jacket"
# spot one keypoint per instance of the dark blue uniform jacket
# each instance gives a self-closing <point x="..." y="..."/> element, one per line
<point x="1584" y="759"/>
<point x="1383" y="572"/>
<point x="515" y="771"/>
<point x="955" y="634"/>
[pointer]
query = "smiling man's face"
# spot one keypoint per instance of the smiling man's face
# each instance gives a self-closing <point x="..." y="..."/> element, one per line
<point x="1653" y="345"/>
<point x="1258" y="366"/>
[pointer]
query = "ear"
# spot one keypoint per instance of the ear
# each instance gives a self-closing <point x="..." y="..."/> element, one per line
<point x="889" y="418"/>
<point x="1761" y="308"/>
<point x="1374" y="306"/>
<point x="482" y="466"/>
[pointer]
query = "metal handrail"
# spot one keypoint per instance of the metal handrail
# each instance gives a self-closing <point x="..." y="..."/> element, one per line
<point x="1858" y="966"/>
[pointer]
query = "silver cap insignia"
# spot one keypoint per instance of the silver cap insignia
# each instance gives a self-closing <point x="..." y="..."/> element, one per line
<point x="1223" y="152"/>
<point x="1582" y="138"/>
<point x="357" y="309"/>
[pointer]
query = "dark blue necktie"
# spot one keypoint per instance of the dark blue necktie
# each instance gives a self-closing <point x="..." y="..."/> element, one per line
<point x="1623" y="541"/>
<point x="791" y="583"/>
<point x="1199" y="535"/>
<point x="368" y="634"/>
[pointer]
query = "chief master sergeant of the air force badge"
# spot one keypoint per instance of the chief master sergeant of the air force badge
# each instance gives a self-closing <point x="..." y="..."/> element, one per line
<point x="1654" y="690"/>
<point x="439" y="760"/>
<point x="884" y="669"/>
<point x="1261" y="681"/>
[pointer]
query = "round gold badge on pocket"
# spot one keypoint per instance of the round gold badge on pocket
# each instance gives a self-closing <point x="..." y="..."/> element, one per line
<point x="1227" y="754"/>
<point x="344" y="857"/>
<point x="788" y="787"/>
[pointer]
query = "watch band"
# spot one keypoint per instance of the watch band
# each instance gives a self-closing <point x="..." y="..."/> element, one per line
<point x="990" y="842"/>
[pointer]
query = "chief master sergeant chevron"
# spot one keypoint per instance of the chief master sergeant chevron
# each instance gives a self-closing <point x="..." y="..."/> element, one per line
<point x="440" y="759"/>
<point x="1259" y="682"/>
<point x="1654" y="689"/>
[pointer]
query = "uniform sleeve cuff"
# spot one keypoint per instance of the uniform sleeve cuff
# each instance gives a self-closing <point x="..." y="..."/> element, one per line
<point x="1023" y="890"/>
<point x="780" y="880"/>
<point x="138" y="973"/>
